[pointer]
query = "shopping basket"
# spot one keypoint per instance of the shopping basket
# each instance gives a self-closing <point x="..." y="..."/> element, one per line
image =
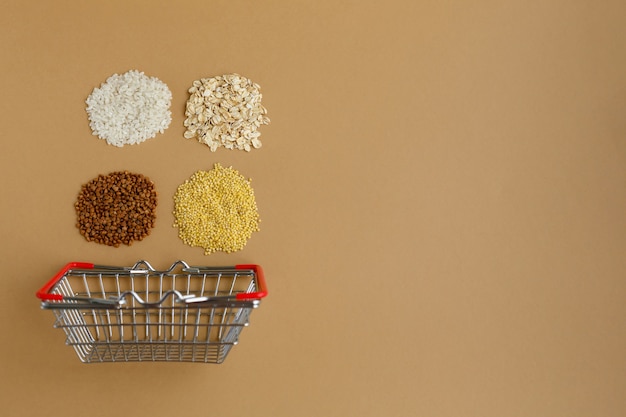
<point x="129" y="314"/>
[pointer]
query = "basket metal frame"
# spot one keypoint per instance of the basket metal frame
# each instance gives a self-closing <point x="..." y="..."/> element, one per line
<point x="133" y="314"/>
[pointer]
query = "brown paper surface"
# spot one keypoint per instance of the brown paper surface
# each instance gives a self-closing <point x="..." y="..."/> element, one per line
<point x="441" y="191"/>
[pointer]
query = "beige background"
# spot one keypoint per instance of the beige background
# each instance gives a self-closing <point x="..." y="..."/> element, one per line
<point x="442" y="192"/>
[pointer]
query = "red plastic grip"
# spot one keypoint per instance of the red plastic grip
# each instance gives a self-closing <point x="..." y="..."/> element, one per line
<point x="260" y="277"/>
<point x="44" y="292"/>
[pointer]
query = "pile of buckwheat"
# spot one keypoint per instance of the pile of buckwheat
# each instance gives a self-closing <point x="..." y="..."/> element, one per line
<point x="118" y="208"/>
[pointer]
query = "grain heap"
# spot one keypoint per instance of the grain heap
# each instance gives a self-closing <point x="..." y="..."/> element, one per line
<point x="216" y="210"/>
<point x="118" y="208"/>
<point x="225" y="111"/>
<point x="130" y="108"/>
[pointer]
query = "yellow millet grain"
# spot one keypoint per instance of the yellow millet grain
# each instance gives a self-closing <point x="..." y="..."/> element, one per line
<point x="216" y="210"/>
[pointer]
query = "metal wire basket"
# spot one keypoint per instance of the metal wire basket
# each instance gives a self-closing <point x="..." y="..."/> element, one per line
<point x="130" y="314"/>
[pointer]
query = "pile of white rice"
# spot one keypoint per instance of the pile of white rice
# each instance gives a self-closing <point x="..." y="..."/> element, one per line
<point x="130" y="108"/>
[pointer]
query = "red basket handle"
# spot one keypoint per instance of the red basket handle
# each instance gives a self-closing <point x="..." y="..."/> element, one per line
<point x="260" y="277"/>
<point x="44" y="292"/>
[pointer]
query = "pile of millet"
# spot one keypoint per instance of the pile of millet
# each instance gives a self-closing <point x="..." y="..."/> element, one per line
<point x="216" y="210"/>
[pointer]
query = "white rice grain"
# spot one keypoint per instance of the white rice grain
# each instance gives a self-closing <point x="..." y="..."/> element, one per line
<point x="130" y="108"/>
